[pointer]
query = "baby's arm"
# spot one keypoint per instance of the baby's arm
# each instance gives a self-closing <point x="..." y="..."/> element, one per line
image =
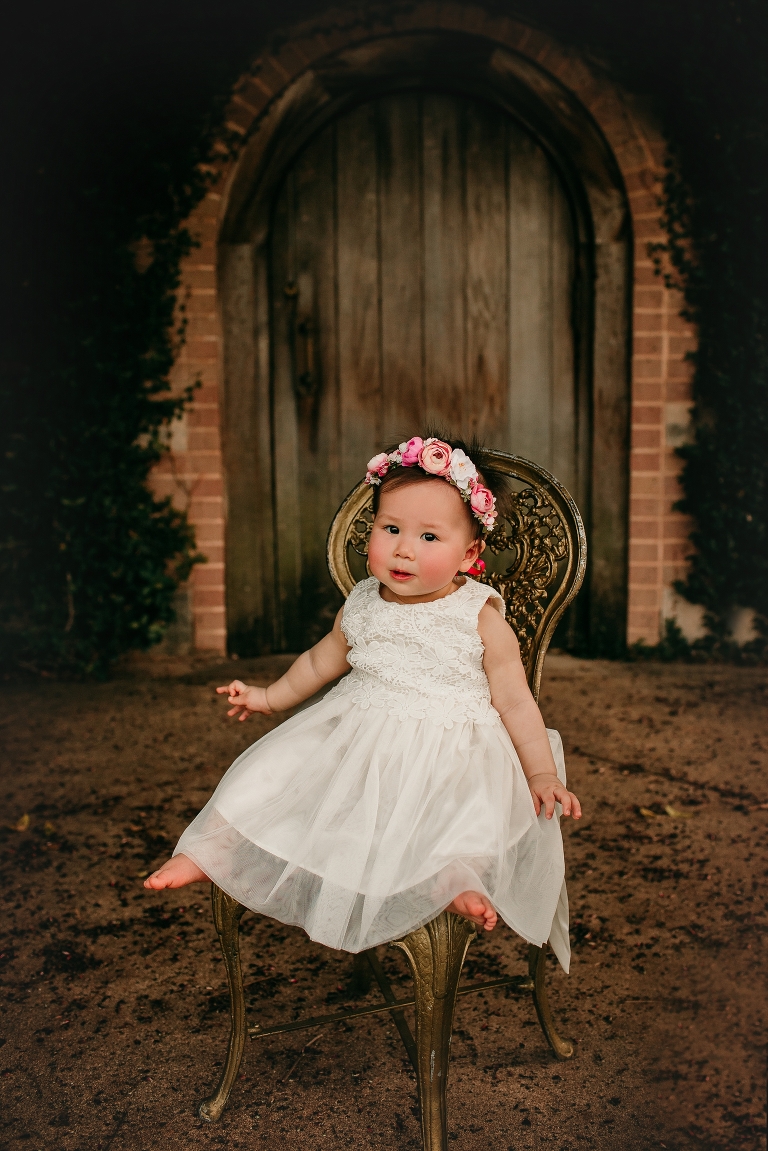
<point x="517" y="708"/>
<point x="324" y="662"/>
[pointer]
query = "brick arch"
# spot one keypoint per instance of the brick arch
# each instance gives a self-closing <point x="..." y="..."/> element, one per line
<point x="660" y="376"/>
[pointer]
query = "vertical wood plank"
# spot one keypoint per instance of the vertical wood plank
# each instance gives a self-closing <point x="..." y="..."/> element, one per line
<point x="315" y="354"/>
<point x="530" y="299"/>
<point x="246" y="445"/>
<point x="285" y="430"/>
<point x="401" y="271"/>
<point x="610" y="439"/>
<point x="357" y="271"/>
<point x="563" y="400"/>
<point x="444" y="261"/>
<point x="487" y="312"/>
<point x="261" y="475"/>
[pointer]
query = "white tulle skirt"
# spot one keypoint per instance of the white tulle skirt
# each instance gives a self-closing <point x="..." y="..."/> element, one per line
<point x="359" y="826"/>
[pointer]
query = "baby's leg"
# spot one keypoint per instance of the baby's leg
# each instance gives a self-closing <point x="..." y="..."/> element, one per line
<point x="475" y="907"/>
<point x="177" y="872"/>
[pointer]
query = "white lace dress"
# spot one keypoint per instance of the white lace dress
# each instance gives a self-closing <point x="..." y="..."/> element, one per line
<point x="363" y="816"/>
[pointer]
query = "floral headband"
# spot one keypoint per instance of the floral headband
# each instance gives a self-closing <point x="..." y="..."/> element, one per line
<point x="439" y="459"/>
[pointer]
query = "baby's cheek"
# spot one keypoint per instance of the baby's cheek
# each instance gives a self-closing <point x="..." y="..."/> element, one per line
<point x="435" y="566"/>
<point x="378" y="553"/>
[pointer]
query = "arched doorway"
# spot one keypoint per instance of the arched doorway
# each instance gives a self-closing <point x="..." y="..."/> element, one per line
<point x="422" y="274"/>
<point x="401" y="250"/>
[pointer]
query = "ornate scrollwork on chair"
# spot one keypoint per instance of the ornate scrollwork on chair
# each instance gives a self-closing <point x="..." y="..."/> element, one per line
<point x="539" y="556"/>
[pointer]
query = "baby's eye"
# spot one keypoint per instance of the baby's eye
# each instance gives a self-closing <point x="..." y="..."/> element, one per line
<point x="429" y="537"/>
<point x="393" y="531"/>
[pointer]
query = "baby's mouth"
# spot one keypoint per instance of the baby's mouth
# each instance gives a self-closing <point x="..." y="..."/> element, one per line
<point x="397" y="574"/>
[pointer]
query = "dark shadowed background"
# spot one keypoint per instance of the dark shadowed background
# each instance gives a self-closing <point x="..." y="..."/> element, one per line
<point x="107" y="112"/>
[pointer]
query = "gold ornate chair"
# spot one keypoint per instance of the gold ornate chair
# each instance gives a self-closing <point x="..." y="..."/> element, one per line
<point x="535" y="558"/>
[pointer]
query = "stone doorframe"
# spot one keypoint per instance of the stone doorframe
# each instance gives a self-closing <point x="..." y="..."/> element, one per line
<point x="610" y="156"/>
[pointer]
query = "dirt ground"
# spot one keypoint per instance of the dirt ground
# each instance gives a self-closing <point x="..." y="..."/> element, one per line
<point x="114" y="1001"/>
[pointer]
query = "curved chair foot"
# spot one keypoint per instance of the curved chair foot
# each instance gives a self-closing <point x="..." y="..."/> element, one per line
<point x="537" y="969"/>
<point x="227" y="913"/>
<point x="435" y="954"/>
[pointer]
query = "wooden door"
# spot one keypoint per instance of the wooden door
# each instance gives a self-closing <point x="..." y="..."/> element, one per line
<point x="422" y="273"/>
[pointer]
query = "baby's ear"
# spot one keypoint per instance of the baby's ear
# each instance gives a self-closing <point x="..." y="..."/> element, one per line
<point x="475" y="549"/>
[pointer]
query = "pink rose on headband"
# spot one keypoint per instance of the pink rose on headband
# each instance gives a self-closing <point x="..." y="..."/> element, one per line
<point x="379" y="465"/>
<point x="481" y="501"/>
<point x="409" y="452"/>
<point x="435" y="457"/>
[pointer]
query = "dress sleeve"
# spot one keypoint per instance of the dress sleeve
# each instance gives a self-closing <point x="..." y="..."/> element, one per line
<point x="354" y="605"/>
<point x="494" y="599"/>
<point x="484" y="593"/>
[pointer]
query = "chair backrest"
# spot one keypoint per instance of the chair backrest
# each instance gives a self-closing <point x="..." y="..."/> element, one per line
<point x="536" y="556"/>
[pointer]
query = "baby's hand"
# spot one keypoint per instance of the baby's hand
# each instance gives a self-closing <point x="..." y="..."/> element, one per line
<point x="246" y="700"/>
<point x="545" y="789"/>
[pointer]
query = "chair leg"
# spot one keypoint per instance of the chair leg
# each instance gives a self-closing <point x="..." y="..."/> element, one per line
<point x="227" y="913"/>
<point x="361" y="977"/>
<point x="435" y="954"/>
<point x="537" y="969"/>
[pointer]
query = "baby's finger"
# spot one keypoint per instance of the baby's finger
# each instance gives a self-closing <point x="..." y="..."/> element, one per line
<point x="564" y="799"/>
<point x="234" y="710"/>
<point x="549" y="806"/>
<point x="536" y="802"/>
<point x="246" y="714"/>
<point x="575" y="806"/>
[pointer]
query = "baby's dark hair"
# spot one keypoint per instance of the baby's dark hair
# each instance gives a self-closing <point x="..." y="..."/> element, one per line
<point x="493" y="479"/>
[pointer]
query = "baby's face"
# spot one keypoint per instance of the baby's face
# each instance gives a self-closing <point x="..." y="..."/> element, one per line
<point x="420" y="539"/>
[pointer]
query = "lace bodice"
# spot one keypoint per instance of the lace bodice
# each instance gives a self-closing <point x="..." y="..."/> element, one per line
<point x="420" y="660"/>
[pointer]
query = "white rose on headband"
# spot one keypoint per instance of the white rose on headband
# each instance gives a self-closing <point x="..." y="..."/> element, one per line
<point x="463" y="471"/>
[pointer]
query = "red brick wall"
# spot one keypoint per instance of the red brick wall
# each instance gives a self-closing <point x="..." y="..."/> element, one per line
<point x="661" y="394"/>
<point x="660" y="374"/>
<point x="193" y="474"/>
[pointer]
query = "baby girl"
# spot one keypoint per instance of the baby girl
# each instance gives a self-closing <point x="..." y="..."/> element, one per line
<point x="425" y="780"/>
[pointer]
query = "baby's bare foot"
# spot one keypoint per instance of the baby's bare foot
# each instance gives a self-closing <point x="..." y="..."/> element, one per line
<point x="177" y="872"/>
<point x="474" y="906"/>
